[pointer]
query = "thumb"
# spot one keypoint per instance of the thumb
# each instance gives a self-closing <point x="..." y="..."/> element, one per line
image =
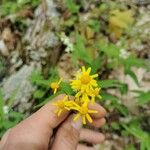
<point x="67" y="136"/>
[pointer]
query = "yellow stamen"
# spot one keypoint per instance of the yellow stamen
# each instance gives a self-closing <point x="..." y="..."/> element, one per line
<point x="85" y="78"/>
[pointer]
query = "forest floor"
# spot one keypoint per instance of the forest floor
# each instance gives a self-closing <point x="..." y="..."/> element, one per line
<point x="42" y="36"/>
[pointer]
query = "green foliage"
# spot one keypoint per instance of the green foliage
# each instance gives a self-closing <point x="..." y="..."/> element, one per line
<point x="66" y="88"/>
<point x="72" y="7"/>
<point x="130" y="147"/>
<point x="143" y="98"/>
<point x="115" y="103"/>
<point x="93" y="47"/>
<point x="94" y="24"/>
<point x="10" y="7"/>
<point x="80" y="51"/>
<point x="1" y="66"/>
<point x="135" y="130"/>
<point x="43" y="85"/>
<point x="8" y="118"/>
<point x="43" y="94"/>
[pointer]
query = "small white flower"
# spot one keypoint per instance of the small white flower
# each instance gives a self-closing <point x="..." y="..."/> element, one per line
<point x="5" y="109"/>
<point x="66" y="41"/>
<point x="124" y="54"/>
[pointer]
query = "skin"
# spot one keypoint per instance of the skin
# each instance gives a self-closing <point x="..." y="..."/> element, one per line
<point x="44" y="130"/>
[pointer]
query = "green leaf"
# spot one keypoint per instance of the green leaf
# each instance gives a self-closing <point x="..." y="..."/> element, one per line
<point x="94" y="24"/>
<point x="130" y="147"/>
<point x="1" y="106"/>
<point x="143" y="98"/>
<point x="66" y="88"/>
<point x="122" y="109"/>
<point x="96" y="64"/>
<point x="133" y="61"/>
<point x="111" y="50"/>
<point x="129" y="72"/>
<point x="39" y="93"/>
<point x="107" y="96"/>
<point x="37" y="78"/>
<point x="115" y="126"/>
<point x="47" y="100"/>
<point x="108" y="83"/>
<point x="72" y="7"/>
<point x="115" y="103"/>
<point x="113" y="84"/>
<point x="80" y="51"/>
<point x="143" y="136"/>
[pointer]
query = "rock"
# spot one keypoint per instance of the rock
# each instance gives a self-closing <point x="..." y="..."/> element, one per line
<point x="19" y="85"/>
<point x="3" y="48"/>
<point x="9" y="37"/>
<point x="66" y="69"/>
<point x="40" y="36"/>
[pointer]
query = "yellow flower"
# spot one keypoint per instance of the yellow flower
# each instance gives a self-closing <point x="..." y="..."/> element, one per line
<point x="55" y="85"/>
<point x="94" y="93"/>
<point x="84" y="112"/>
<point x="90" y="96"/>
<point x="62" y="105"/>
<point x="84" y="82"/>
<point x="82" y="97"/>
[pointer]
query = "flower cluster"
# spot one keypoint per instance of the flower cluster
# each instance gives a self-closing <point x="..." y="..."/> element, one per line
<point x="86" y="89"/>
<point x="66" y="41"/>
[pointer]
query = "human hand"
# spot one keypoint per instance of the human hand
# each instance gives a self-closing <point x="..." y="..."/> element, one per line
<point x="38" y="131"/>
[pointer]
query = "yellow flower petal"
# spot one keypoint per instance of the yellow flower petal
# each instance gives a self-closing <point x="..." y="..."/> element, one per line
<point x="89" y="70"/>
<point x="83" y="69"/>
<point x="94" y="75"/>
<point x="89" y="118"/>
<point x="77" y="116"/>
<point x="59" y="112"/>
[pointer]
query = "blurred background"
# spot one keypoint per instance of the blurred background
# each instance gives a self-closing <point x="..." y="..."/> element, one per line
<point x="41" y="41"/>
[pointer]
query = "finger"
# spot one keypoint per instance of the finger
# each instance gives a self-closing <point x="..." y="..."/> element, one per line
<point x="101" y="112"/>
<point x="4" y="139"/>
<point x="83" y="147"/>
<point x="47" y="116"/>
<point x="38" y="128"/>
<point x="67" y="136"/>
<point x="98" y="122"/>
<point x="90" y="136"/>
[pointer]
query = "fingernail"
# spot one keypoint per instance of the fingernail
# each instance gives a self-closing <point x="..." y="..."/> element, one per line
<point x="76" y="124"/>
